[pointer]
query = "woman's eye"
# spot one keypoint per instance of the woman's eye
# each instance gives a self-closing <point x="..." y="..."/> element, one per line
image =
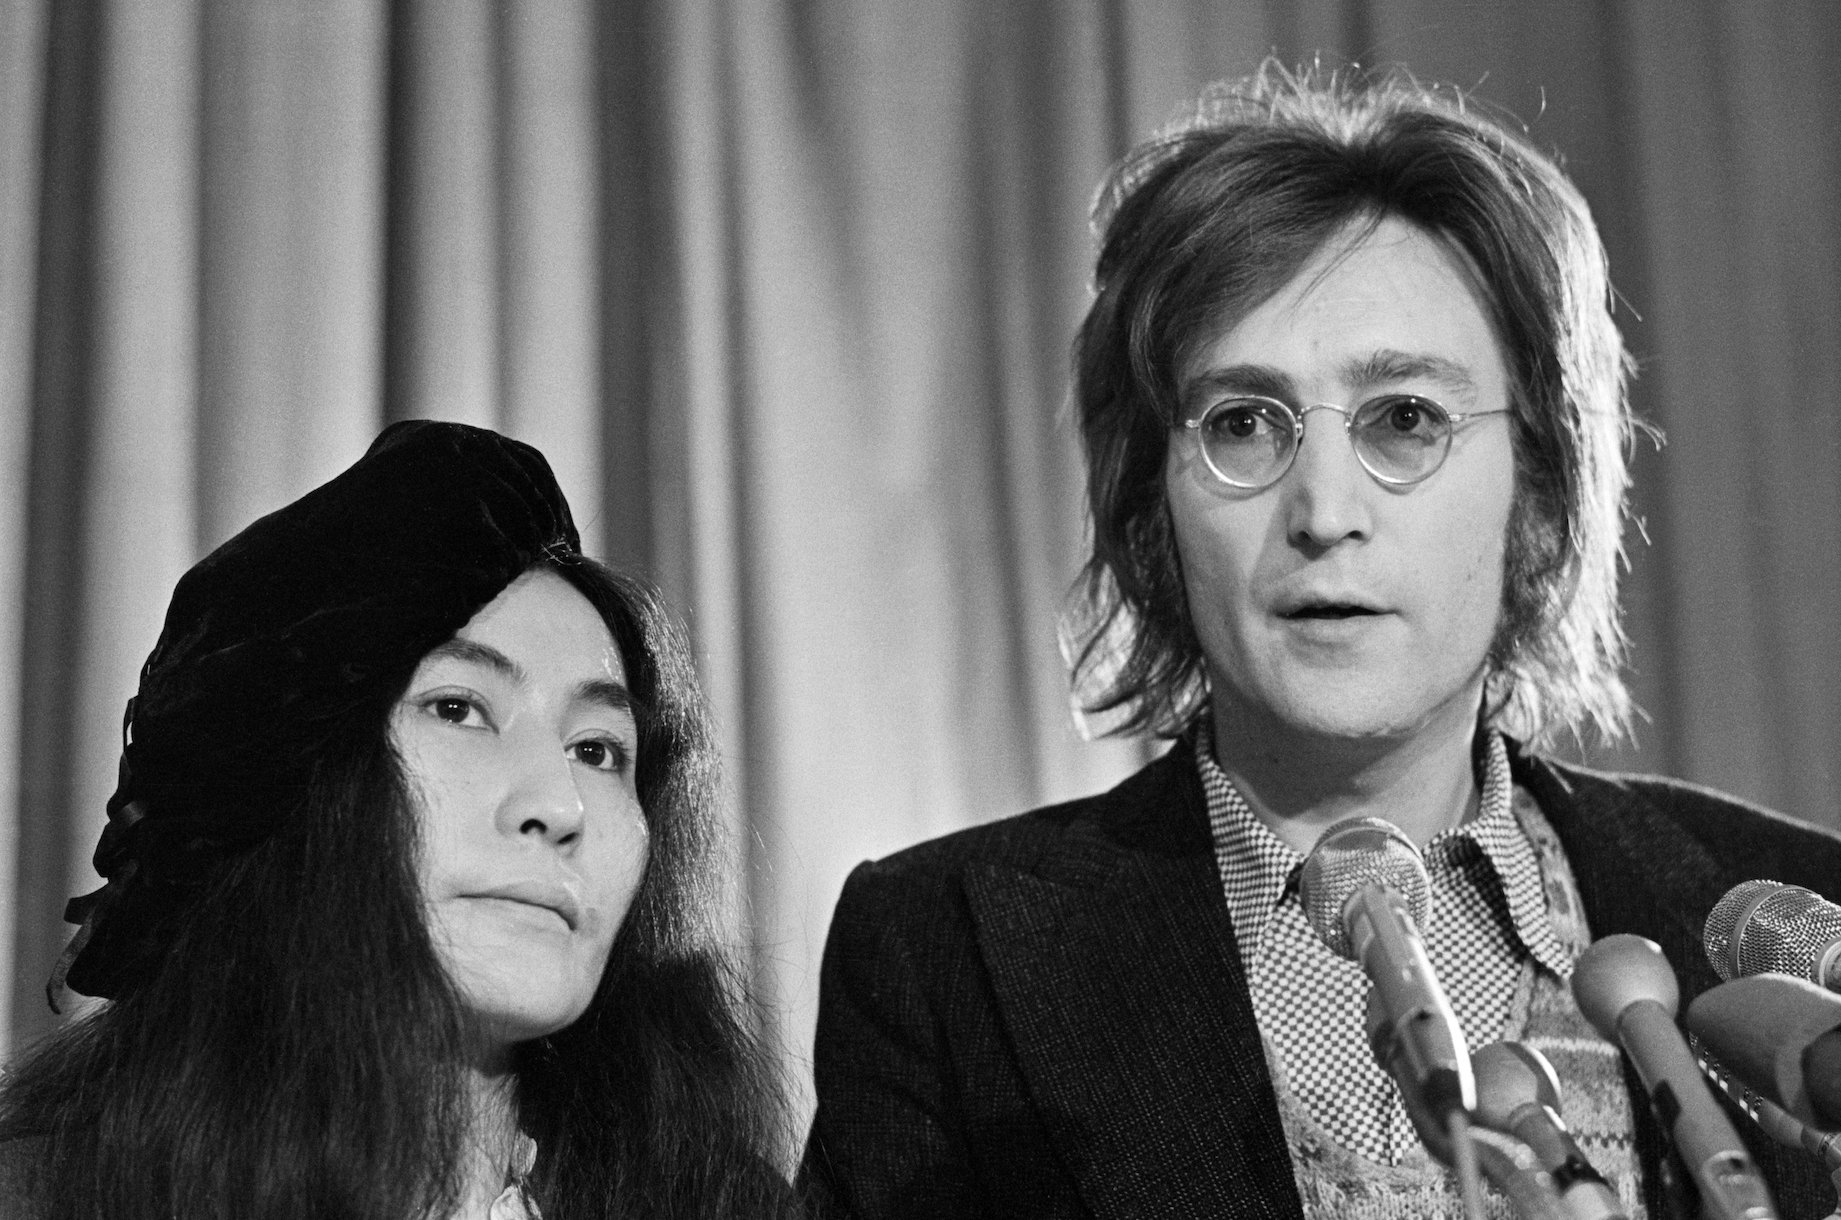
<point x="455" y="710"/>
<point x="601" y="754"/>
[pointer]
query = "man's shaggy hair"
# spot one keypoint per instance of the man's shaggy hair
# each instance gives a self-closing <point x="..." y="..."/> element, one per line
<point x="1205" y="221"/>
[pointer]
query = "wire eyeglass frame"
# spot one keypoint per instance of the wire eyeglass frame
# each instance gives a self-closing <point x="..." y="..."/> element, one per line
<point x="1443" y="424"/>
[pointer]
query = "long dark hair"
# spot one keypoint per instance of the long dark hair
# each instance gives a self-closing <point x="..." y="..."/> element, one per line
<point x="299" y="1052"/>
<point x="1203" y="222"/>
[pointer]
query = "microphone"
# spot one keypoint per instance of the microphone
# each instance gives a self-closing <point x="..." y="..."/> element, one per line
<point x="1365" y="891"/>
<point x="1782" y="1037"/>
<point x="1505" y="1160"/>
<point x="1626" y="989"/>
<point x="1518" y="1094"/>
<point x="1771" y="1118"/>
<point x="1762" y="926"/>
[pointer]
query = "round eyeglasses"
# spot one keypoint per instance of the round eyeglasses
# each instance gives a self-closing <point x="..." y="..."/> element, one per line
<point x="1401" y="439"/>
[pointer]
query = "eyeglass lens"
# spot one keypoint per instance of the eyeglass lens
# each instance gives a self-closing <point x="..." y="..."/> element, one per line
<point x="1400" y="438"/>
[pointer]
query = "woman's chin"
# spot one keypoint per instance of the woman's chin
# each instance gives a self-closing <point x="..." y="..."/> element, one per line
<point x="533" y="1001"/>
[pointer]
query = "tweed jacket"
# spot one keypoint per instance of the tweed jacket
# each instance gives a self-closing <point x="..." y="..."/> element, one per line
<point x="1047" y="1016"/>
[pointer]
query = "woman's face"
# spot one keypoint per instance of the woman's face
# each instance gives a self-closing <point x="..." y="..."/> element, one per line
<point x="520" y="746"/>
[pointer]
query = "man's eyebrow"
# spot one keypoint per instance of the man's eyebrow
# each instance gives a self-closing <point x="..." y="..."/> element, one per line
<point x="1258" y="379"/>
<point x="1375" y="368"/>
<point x="1389" y="364"/>
<point x="476" y="653"/>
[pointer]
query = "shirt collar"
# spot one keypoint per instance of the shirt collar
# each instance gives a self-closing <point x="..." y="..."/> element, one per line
<point x="1259" y="870"/>
<point x="1257" y="867"/>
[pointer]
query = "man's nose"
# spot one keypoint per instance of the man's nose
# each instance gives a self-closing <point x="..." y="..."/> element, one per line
<point x="1328" y="490"/>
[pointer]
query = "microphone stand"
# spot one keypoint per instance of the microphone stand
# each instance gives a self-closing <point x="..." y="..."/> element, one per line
<point x="1464" y="1160"/>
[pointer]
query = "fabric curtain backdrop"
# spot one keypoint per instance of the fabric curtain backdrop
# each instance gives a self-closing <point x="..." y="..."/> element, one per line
<point x="785" y="291"/>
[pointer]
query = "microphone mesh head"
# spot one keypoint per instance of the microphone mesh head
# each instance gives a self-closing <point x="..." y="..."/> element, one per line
<point x="1765" y="926"/>
<point x="1723" y="921"/>
<point x="1353" y="854"/>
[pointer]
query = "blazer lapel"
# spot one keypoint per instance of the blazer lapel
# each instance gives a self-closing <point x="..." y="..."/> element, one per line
<point x="1637" y="870"/>
<point x="1117" y="975"/>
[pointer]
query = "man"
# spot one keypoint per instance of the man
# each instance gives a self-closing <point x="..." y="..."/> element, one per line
<point x="1353" y="411"/>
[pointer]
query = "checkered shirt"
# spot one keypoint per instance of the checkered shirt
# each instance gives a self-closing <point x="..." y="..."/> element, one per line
<point x="1488" y="917"/>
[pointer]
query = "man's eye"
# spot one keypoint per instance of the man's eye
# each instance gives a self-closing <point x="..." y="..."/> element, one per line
<point x="1403" y="416"/>
<point x="1241" y="422"/>
<point x="601" y="754"/>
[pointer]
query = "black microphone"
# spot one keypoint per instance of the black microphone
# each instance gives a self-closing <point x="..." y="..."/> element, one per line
<point x="1627" y="990"/>
<point x="1779" y="1035"/>
<point x="1518" y="1094"/>
<point x="1365" y="890"/>
<point x="1772" y="1119"/>
<point x="1762" y="926"/>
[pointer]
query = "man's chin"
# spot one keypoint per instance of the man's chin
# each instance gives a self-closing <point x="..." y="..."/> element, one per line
<point x="1355" y="707"/>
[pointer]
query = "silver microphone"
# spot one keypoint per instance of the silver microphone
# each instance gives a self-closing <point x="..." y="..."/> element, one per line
<point x="1365" y="891"/>
<point x="1766" y="926"/>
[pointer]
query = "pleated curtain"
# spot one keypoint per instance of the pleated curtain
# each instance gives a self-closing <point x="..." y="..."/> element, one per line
<point x="784" y="289"/>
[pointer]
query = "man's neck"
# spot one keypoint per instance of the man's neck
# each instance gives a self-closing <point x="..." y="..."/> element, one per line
<point x="1300" y="785"/>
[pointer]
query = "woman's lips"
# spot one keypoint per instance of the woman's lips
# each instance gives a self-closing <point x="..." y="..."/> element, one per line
<point x="541" y="895"/>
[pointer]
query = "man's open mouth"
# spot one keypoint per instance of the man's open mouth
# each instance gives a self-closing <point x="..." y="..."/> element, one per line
<point x="1328" y="610"/>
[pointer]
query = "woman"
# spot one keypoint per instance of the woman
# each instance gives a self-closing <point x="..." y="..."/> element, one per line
<point x="405" y="882"/>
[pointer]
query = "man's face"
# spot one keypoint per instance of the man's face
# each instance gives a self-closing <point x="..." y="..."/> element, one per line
<point x="1329" y="604"/>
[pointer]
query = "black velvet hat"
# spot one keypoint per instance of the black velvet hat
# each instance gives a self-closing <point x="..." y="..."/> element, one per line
<point x="322" y="606"/>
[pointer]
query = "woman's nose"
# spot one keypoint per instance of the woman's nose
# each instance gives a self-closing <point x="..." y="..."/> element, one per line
<point x="543" y="798"/>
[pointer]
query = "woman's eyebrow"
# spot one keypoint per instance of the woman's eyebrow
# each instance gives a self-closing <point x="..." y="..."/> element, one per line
<point x="606" y="692"/>
<point x="475" y="653"/>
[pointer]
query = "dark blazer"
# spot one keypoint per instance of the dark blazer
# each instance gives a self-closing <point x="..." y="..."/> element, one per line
<point x="1047" y="1015"/>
